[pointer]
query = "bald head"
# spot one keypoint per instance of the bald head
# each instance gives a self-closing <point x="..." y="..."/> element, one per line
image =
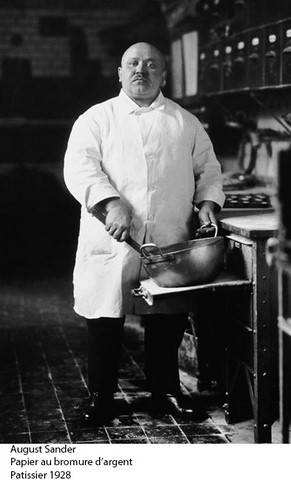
<point x="142" y="72"/>
<point x="143" y="46"/>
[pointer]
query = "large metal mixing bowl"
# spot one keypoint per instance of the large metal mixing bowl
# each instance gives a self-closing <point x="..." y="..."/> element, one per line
<point x="189" y="263"/>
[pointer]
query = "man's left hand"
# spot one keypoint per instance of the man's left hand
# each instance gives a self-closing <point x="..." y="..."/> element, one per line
<point x="206" y="213"/>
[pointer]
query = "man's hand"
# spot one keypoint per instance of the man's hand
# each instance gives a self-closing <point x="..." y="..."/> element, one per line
<point x="206" y="212"/>
<point x="118" y="219"/>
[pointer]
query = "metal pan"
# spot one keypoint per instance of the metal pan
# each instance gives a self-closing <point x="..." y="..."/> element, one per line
<point x="189" y="263"/>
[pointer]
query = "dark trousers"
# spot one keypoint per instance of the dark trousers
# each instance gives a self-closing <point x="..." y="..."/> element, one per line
<point x="105" y="337"/>
<point x="163" y="335"/>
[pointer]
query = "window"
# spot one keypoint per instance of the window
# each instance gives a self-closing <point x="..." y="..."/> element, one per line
<point x="184" y="65"/>
<point x="190" y="52"/>
<point x="177" y="68"/>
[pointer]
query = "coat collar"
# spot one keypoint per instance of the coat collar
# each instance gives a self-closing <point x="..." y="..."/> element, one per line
<point x="129" y="106"/>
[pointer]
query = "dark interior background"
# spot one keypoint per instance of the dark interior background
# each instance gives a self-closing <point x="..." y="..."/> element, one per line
<point x="38" y="217"/>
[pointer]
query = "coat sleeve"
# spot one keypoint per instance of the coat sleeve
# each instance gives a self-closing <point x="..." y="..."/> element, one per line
<point x="207" y="169"/>
<point x="83" y="172"/>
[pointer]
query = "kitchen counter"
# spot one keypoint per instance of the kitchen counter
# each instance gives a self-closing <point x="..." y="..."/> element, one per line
<point x="251" y="342"/>
<point x="247" y="311"/>
<point x="251" y="225"/>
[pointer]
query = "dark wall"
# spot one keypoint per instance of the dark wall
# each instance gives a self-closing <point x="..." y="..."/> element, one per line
<point x="60" y="58"/>
<point x="39" y="217"/>
<point x="40" y="222"/>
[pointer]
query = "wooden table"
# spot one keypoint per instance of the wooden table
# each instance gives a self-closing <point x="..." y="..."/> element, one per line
<point x="284" y="326"/>
<point x="254" y="332"/>
<point x="248" y="313"/>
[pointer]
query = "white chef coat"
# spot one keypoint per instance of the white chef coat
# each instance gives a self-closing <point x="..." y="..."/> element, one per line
<point x="158" y="160"/>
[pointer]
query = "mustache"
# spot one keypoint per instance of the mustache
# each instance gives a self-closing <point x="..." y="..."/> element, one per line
<point x="140" y="77"/>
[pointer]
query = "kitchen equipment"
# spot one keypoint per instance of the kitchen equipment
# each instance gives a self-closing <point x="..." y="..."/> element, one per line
<point x="188" y="263"/>
<point x="272" y="55"/>
<point x="214" y="68"/>
<point x="245" y="176"/>
<point x="240" y="61"/>
<point x="203" y="67"/>
<point x="255" y="58"/>
<point x="227" y="65"/>
<point x="286" y="52"/>
<point x="247" y="201"/>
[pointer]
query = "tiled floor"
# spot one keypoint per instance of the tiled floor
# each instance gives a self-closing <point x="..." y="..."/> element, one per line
<point x="43" y="378"/>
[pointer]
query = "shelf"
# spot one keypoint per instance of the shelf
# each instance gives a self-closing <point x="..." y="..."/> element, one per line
<point x="150" y="291"/>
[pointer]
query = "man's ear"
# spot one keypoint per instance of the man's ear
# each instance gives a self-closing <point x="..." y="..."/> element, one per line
<point x="164" y="78"/>
<point x="119" y="73"/>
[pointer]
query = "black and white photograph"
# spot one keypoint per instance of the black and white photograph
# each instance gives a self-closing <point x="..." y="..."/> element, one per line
<point x="145" y="262"/>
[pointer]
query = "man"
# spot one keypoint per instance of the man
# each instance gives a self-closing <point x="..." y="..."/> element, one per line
<point x="144" y="162"/>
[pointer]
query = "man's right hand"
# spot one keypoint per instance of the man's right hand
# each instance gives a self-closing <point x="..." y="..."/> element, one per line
<point x="118" y="220"/>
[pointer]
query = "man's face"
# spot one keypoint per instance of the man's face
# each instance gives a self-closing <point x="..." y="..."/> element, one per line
<point x="142" y="73"/>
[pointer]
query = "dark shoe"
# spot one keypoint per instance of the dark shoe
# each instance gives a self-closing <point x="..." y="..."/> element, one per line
<point x="97" y="409"/>
<point x="176" y="405"/>
<point x="181" y="403"/>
